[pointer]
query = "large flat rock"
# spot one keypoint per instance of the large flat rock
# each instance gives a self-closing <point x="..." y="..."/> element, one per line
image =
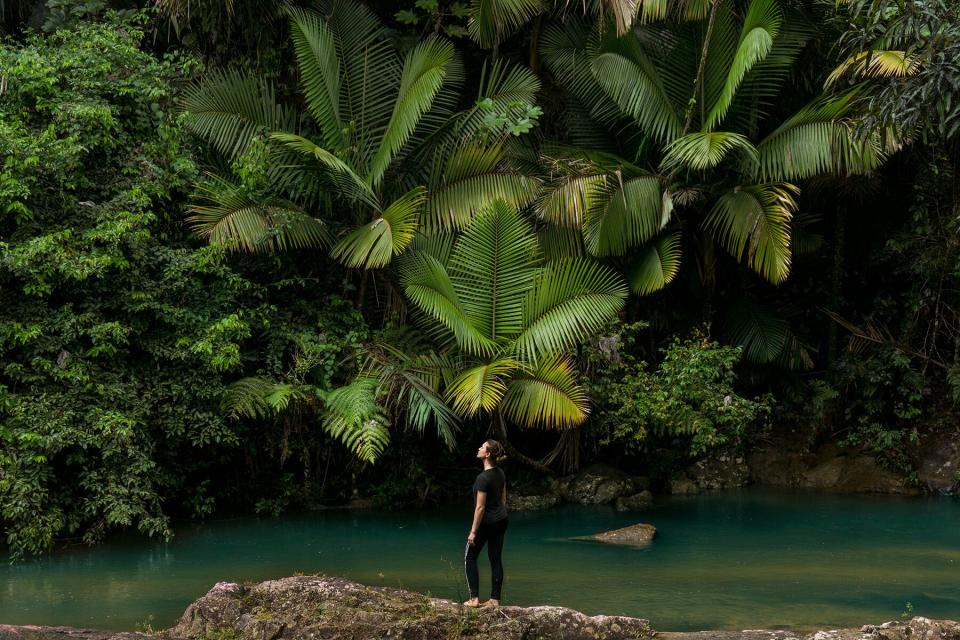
<point x="318" y="607"/>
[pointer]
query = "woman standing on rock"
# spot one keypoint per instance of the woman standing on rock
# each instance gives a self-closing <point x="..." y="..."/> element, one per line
<point x="489" y="523"/>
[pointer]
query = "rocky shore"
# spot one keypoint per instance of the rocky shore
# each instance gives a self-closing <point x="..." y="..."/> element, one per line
<point x="325" y="608"/>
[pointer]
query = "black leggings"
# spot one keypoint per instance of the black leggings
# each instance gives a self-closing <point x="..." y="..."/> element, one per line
<point x="492" y="536"/>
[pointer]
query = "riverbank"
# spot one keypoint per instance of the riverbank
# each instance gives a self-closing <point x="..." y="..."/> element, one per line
<point x="328" y="608"/>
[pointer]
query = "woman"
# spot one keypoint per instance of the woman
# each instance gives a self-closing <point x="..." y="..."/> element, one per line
<point x="489" y="523"/>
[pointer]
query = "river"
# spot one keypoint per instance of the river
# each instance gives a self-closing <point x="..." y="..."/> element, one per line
<point x="733" y="560"/>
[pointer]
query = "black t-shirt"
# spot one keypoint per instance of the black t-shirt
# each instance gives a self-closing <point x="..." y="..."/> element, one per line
<point x="492" y="481"/>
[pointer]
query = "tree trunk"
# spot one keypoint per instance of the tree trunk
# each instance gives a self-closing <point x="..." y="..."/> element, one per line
<point x="500" y="428"/>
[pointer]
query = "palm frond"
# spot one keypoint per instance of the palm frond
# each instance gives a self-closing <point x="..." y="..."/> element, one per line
<point x="231" y="107"/>
<point x="410" y="385"/>
<point x="704" y="150"/>
<point x="656" y="264"/>
<point x="239" y="221"/>
<point x="354" y="417"/>
<point x="423" y="74"/>
<point x="757" y="329"/>
<point x="558" y="243"/>
<point x="481" y="387"/>
<point x="875" y="64"/>
<point x="819" y="139"/>
<point x="567" y="48"/>
<point x="351" y="184"/>
<point x="569" y="300"/>
<point x="370" y="72"/>
<point x="428" y="286"/>
<point x="760" y="27"/>
<point x="548" y="396"/>
<point x="575" y="190"/>
<point x="473" y="176"/>
<point x="492" y="20"/>
<point x="753" y="224"/>
<point x="315" y="48"/>
<point x="373" y="245"/>
<point x="492" y="268"/>
<point x="632" y="212"/>
<point x="637" y="88"/>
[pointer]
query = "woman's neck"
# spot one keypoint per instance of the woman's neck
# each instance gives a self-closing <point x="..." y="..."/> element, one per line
<point x="487" y="465"/>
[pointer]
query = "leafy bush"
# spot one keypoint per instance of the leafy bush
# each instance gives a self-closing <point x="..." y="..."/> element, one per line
<point x="690" y="396"/>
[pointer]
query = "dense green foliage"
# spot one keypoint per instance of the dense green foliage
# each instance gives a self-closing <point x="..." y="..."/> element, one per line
<point x="250" y="250"/>
<point x="690" y="396"/>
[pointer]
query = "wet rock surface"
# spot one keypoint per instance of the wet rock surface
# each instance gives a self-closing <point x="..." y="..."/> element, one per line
<point x="636" y="535"/>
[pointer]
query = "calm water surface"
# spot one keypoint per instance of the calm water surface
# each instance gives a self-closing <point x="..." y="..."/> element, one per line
<point x="737" y="560"/>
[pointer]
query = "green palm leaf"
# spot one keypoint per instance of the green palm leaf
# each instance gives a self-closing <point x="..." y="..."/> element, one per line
<point x="493" y="267"/>
<point x="760" y="331"/>
<point x="547" y="397"/>
<point x="655" y="265"/>
<point x="567" y="48"/>
<point x="316" y="53"/>
<point x="428" y="286"/>
<point x="229" y="108"/>
<point x="631" y="213"/>
<point x="350" y="184"/>
<point x="705" y="150"/>
<point x="240" y="221"/>
<point x="423" y="74"/>
<point x="491" y="20"/>
<point x="481" y="387"/>
<point x="760" y="28"/>
<point x="753" y="223"/>
<point x="818" y="139"/>
<point x="569" y="300"/>
<point x="567" y="198"/>
<point x="374" y="244"/>
<point x="473" y="176"/>
<point x="636" y="86"/>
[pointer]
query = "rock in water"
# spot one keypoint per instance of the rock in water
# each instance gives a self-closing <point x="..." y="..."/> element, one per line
<point x="321" y="608"/>
<point x="636" y="535"/>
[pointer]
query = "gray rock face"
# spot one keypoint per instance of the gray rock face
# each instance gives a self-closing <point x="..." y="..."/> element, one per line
<point x="636" y="535"/>
<point x="323" y="608"/>
<point x="828" y="468"/>
<point x="636" y="502"/>
<point x="596" y="484"/>
<point x="722" y="470"/>
<point x="533" y="502"/>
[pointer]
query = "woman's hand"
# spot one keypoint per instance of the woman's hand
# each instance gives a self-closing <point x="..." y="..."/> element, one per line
<point x="471" y="538"/>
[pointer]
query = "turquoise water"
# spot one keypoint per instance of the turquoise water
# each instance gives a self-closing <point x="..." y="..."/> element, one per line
<point x="738" y="560"/>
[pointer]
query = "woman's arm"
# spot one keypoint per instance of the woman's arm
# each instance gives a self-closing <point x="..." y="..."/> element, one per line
<point x="477" y="515"/>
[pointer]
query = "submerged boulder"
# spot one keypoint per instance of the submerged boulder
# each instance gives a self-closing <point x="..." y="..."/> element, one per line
<point x="635" y="535"/>
<point x="319" y="607"/>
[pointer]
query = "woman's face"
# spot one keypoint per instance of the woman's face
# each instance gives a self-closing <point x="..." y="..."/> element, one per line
<point x="482" y="451"/>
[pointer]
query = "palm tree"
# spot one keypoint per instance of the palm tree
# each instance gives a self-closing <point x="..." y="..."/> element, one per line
<point x="690" y="96"/>
<point x="498" y="322"/>
<point x="381" y="148"/>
